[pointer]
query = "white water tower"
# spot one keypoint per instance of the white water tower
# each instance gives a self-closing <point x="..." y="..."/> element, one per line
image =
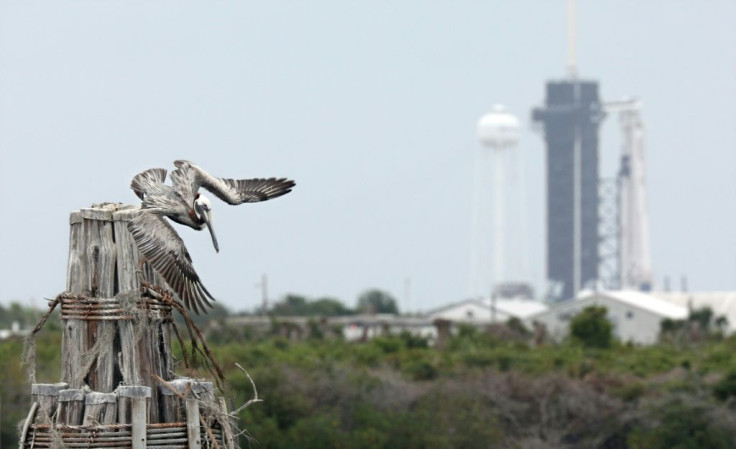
<point x="498" y="132"/>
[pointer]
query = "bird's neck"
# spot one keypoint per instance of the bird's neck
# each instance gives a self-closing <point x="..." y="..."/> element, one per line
<point x="197" y="221"/>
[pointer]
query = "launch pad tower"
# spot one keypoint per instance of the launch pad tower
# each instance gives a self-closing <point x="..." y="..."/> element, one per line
<point x="570" y="119"/>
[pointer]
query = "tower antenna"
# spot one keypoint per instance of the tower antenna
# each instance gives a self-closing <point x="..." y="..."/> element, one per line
<point x="572" y="64"/>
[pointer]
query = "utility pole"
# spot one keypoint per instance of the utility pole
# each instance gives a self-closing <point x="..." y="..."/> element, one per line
<point x="493" y="307"/>
<point x="263" y="285"/>
<point x="407" y="294"/>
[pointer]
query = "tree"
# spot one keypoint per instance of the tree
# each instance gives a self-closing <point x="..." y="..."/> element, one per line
<point x="328" y="307"/>
<point x="291" y="305"/>
<point x="592" y="328"/>
<point x="297" y="305"/>
<point x="377" y="301"/>
<point x="702" y="322"/>
<point x="23" y="315"/>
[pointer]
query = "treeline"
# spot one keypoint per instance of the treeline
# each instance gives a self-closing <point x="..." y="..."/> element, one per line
<point x="370" y="301"/>
<point x="486" y="388"/>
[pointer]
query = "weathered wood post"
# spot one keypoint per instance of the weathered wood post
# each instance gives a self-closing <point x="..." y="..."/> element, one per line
<point x="116" y="352"/>
<point x="192" y="407"/>
<point x="100" y="408"/>
<point x="443" y="332"/>
<point x="137" y="397"/>
<point x="46" y="396"/>
<point x="71" y="407"/>
<point x="104" y="262"/>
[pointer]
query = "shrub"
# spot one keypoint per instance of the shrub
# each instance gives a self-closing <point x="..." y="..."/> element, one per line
<point x="591" y="328"/>
<point x="726" y="387"/>
<point x="680" y="423"/>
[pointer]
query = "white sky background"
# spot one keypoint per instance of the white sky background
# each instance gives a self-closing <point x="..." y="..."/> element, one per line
<point x="371" y="107"/>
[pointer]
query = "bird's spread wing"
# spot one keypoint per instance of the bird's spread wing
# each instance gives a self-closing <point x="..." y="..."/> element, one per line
<point x="186" y="182"/>
<point x="165" y="252"/>
<point x="238" y="191"/>
<point x="146" y="180"/>
<point x="233" y="191"/>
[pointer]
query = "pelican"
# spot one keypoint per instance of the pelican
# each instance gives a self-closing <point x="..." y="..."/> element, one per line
<point x="181" y="202"/>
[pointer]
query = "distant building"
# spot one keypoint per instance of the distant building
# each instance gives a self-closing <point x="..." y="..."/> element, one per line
<point x="366" y="327"/>
<point x="479" y="311"/>
<point x="14" y="331"/>
<point x="351" y="327"/>
<point x="721" y="303"/>
<point x="570" y="119"/>
<point x="636" y="316"/>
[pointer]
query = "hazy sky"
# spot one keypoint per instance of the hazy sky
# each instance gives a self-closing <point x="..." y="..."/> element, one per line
<point x="371" y="107"/>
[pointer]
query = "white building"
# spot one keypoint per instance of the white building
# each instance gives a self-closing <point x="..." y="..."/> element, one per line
<point x="636" y="316"/>
<point x="721" y="303"/>
<point x="14" y="331"/>
<point x="479" y="311"/>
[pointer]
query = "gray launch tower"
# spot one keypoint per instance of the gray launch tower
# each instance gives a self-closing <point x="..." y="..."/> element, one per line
<point x="570" y="119"/>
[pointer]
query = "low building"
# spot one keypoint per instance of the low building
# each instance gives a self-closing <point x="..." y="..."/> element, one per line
<point x="483" y="311"/>
<point x="14" y="331"/>
<point x="636" y="316"/>
<point x="721" y="303"/>
<point x="351" y="327"/>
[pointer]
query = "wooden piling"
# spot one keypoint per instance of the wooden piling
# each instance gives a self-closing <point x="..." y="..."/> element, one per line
<point x="46" y="395"/>
<point x="171" y="399"/>
<point x="100" y="408"/>
<point x="71" y="407"/>
<point x="106" y="339"/>
<point x="136" y="397"/>
<point x="116" y="334"/>
<point x="193" y="435"/>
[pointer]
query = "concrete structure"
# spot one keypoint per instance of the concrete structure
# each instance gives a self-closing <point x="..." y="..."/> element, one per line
<point x="636" y="316"/>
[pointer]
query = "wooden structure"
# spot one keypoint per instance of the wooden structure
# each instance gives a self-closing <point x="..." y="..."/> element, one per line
<point x="118" y="388"/>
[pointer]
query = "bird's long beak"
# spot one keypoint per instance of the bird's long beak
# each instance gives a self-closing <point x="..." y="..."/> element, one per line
<point x="207" y="215"/>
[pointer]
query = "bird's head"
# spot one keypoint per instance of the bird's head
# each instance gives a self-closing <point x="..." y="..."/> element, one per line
<point x="203" y="210"/>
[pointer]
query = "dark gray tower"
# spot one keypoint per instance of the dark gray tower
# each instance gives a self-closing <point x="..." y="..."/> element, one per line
<point x="570" y="119"/>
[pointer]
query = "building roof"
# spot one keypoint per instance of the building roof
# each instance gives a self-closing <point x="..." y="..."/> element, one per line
<point x="643" y="300"/>
<point x="452" y="305"/>
<point x="519" y="308"/>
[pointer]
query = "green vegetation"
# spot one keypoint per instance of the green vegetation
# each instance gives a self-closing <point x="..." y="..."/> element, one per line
<point x="591" y="328"/>
<point x="297" y="305"/>
<point x="370" y="302"/>
<point x="16" y="313"/>
<point x="701" y="323"/>
<point x="377" y="301"/>
<point x="486" y="389"/>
